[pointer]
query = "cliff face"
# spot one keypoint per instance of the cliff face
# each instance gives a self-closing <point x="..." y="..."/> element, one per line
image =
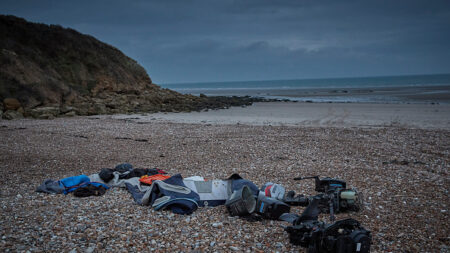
<point x="52" y="71"/>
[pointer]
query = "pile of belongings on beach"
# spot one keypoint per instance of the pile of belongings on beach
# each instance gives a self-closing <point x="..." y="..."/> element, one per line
<point x="155" y="188"/>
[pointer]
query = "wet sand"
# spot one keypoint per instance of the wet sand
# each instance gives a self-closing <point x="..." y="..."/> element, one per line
<point x="412" y="94"/>
<point x="421" y="94"/>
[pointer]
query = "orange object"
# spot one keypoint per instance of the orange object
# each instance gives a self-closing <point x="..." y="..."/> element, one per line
<point x="149" y="179"/>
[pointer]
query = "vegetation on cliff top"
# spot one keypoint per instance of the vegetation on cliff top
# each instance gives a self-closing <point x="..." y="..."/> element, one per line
<point x="52" y="71"/>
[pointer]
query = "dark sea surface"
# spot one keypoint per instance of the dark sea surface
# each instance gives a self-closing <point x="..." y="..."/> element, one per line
<point x="386" y="89"/>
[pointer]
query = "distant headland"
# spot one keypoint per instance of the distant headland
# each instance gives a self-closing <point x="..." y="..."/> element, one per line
<point x="49" y="71"/>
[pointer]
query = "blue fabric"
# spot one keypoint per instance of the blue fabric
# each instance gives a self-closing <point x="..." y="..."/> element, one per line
<point x="175" y="180"/>
<point x="135" y="192"/>
<point x="73" y="188"/>
<point x="237" y="184"/>
<point x="179" y="205"/>
<point x="66" y="185"/>
<point x="72" y="181"/>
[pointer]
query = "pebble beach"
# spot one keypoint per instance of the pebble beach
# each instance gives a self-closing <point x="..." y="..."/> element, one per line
<point x="402" y="171"/>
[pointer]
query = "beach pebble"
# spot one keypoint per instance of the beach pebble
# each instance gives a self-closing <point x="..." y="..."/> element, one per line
<point x="405" y="206"/>
<point x="217" y="224"/>
<point x="90" y="249"/>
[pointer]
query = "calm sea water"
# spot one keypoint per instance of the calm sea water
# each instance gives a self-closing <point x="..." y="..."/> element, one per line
<point x="395" y="89"/>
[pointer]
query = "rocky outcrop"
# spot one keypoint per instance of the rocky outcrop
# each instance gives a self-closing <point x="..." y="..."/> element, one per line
<point x="11" y="104"/>
<point x="11" y="114"/>
<point x="48" y="71"/>
<point x="12" y="109"/>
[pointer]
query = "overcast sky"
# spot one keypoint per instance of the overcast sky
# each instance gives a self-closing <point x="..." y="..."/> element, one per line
<point x="225" y="40"/>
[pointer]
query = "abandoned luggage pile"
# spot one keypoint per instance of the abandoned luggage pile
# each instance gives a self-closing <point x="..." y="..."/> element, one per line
<point x="155" y="188"/>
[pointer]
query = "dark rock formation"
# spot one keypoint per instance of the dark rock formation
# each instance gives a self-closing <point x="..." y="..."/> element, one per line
<point x="51" y="71"/>
<point x="11" y="114"/>
<point x="11" y="104"/>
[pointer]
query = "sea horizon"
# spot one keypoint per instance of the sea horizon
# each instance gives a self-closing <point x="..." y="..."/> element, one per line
<point x="309" y="78"/>
<point x="429" y="88"/>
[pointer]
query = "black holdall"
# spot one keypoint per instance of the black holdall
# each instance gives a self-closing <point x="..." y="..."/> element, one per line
<point x="89" y="190"/>
<point x="270" y="208"/>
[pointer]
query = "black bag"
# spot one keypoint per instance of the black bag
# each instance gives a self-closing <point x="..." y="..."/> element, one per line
<point x="89" y="190"/>
<point x="106" y="175"/>
<point x="270" y="208"/>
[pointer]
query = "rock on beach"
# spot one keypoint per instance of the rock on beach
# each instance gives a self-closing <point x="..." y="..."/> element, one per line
<point x="406" y="206"/>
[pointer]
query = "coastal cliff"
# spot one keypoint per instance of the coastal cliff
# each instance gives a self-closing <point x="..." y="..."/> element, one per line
<point x="48" y="71"/>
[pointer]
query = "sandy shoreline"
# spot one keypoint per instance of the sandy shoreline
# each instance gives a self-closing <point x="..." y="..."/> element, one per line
<point x="375" y="94"/>
<point x="406" y="205"/>
<point x="424" y="116"/>
<point x="415" y="94"/>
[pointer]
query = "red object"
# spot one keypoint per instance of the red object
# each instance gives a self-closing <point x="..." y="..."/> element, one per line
<point x="267" y="191"/>
<point x="161" y="171"/>
<point x="149" y="179"/>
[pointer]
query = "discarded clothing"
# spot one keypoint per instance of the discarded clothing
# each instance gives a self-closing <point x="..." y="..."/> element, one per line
<point x="123" y="167"/>
<point x="173" y="193"/>
<point x="115" y="182"/>
<point x="126" y="171"/>
<point x="63" y="185"/>
<point x="73" y="181"/>
<point x="120" y="172"/>
<point x="75" y="187"/>
<point x="216" y="192"/>
<point x="172" y="186"/>
<point x="106" y="175"/>
<point x="176" y="205"/>
<point x="90" y="189"/>
<point x="149" y="179"/>
<point x="141" y="172"/>
<point x="50" y="186"/>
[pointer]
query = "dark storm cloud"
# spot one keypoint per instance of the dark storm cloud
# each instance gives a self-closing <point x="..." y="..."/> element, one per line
<point x="187" y="41"/>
